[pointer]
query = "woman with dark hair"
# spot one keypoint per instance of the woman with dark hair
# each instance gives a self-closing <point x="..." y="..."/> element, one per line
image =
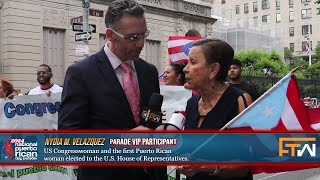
<point x="216" y="104"/>
<point x="174" y="75"/>
<point x="6" y="88"/>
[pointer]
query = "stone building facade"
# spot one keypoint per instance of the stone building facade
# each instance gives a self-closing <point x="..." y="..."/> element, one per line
<point x="40" y="31"/>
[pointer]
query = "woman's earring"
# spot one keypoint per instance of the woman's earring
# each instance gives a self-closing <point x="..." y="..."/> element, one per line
<point x="212" y="85"/>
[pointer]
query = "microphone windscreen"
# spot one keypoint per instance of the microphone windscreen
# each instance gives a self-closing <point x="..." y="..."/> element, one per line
<point x="176" y="122"/>
<point x="155" y="102"/>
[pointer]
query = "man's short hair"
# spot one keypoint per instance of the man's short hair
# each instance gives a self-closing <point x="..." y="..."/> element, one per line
<point x="45" y="65"/>
<point x="236" y="62"/>
<point x="119" y="8"/>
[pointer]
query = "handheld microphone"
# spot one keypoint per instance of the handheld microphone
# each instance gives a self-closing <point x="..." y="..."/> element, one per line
<point x="152" y="115"/>
<point x="176" y="122"/>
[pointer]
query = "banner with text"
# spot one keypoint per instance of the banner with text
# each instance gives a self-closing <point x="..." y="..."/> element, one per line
<point x="157" y="148"/>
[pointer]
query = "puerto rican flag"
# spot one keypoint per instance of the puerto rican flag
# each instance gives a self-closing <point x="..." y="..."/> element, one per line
<point x="279" y="109"/>
<point x="161" y="77"/>
<point x="178" y="48"/>
<point x="314" y="116"/>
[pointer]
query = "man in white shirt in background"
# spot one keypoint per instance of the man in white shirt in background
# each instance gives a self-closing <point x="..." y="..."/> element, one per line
<point x="44" y="75"/>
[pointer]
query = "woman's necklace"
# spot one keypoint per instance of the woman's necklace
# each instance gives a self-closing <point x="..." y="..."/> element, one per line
<point x="205" y="108"/>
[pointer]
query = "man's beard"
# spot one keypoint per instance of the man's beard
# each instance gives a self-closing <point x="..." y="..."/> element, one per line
<point x="234" y="78"/>
<point x="43" y="82"/>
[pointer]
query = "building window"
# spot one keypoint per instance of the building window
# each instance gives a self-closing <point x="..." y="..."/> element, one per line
<point x="278" y="3"/>
<point x="290" y="2"/>
<point x="223" y="2"/>
<point x="255" y="21"/>
<point x="265" y="4"/>
<point x="246" y="8"/>
<point x="153" y="53"/>
<point x="304" y="44"/>
<point x="291" y="31"/>
<point x="291" y="17"/>
<point x="292" y="47"/>
<point x="306" y="13"/>
<point x="266" y="18"/>
<point x="255" y="6"/>
<point x="237" y="9"/>
<point x="305" y="29"/>
<point x="54" y="52"/>
<point x="304" y="1"/>
<point x="278" y="17"/>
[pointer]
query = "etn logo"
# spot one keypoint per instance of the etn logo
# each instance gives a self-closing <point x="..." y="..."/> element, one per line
<point x="289" y="146"/>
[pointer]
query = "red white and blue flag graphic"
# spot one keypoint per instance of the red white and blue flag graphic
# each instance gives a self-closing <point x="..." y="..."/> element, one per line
<point x="279" y="109"/>
<point x="178" y="48"/>
<point x="161" y="77"/>
<point x="308" y="43"/>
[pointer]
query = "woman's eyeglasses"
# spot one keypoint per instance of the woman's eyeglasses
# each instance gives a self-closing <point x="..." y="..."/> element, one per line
<point x="132" y="37"/>
<point x="43" y="73"/>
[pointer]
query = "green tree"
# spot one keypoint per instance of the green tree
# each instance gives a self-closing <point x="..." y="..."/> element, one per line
<point x="259" y="63"/>
<point x="302" y="64"/>
<point x="288" y="56"/>
<point x="317" y="50"/>
<point x="313" y="72"/>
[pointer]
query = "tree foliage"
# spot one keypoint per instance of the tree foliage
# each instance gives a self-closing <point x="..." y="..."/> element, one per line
<point x="302" y="64"/>
<point x="288" y="54"/>
<point x="313" y="72"/>
<point x="259" y="63"/>
<point x="317" y="52"/>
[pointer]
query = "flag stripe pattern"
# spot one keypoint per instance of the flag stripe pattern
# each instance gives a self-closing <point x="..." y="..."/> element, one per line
<point x="161" y="77"/>
<point x="280" y="108"/>
<point x="289" y="118"/>
<point x="308" y="48"/>
<point x="314" y="115"/>
<point x="298" y="107"/>
<point x="178" y="48"/>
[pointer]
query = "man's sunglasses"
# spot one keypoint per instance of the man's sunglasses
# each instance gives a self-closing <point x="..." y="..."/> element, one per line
<point x="132" y="37"/>
<point x="43" y="73"/>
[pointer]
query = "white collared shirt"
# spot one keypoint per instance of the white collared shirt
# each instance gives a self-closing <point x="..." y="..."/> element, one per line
<point x="116" y="62"/>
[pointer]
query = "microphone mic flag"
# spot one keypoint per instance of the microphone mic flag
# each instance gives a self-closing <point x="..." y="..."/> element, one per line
<point x="176" y="122"/>
<point x="152" y="115"/>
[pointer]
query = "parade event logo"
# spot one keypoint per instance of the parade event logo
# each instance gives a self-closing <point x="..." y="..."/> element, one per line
<point x="19" y="149"/>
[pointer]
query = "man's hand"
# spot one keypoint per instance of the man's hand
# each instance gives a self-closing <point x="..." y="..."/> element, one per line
<point x="11" y="96"/>
<point x="48" y="93"/>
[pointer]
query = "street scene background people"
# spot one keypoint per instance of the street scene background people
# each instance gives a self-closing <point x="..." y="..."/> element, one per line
<point x="235" y="73"/>
<point x="44" y="75"/>
<point x="174" y="75"/>
<point x="6" y="88"/>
